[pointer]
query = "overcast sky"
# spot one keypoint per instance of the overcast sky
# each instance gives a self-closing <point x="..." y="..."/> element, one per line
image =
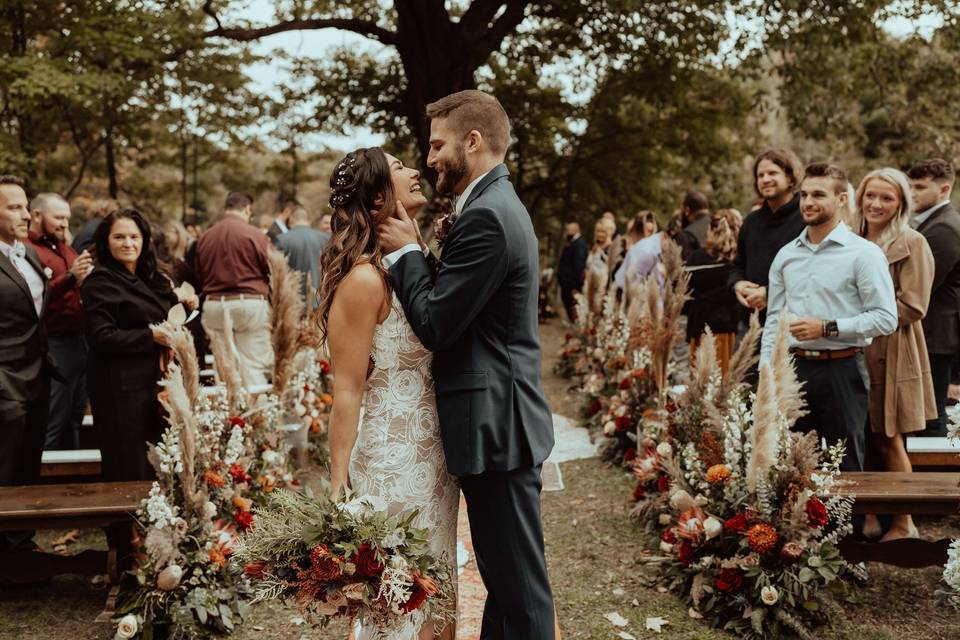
<point x="266" y="76"/>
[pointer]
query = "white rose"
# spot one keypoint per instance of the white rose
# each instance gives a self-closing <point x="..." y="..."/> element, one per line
<point x="664" y="450"/>
<point x="666" y="547"/>
<point x="609" y="429"/>
<point x="127" y="627"/>
<point x="681" y="500"/>
<point x="665" y="518"/>
<point x="712" y="527"/>
<point x="769" y="595"/>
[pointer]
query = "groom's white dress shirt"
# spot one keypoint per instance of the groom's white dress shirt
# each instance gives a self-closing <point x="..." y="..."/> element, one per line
<point x="391" y="258"/>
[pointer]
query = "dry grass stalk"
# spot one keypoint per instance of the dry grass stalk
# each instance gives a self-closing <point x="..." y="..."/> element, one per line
<point x="287" y="310"/>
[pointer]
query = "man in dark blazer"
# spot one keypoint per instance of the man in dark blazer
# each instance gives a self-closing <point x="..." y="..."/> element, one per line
<point x="573" y="261"/>
<point x="24" y="366"/>
<point x="932" y="182"/>
<point x="477" y="311"/>
<point x="302" y="245"/>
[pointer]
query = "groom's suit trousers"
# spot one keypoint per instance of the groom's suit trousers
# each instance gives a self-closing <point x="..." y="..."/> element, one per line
<point x="504" y="512"/>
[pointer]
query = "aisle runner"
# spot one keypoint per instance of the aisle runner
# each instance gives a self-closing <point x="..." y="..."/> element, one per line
<point x="572" y="443"/>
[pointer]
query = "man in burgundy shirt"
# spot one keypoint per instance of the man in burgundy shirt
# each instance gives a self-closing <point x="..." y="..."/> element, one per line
<point x="234" y="274"/>
<point x="49" y="218"/>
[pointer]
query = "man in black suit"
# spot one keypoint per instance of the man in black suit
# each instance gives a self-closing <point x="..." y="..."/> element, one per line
<point x="932" y="183"/>
<point x="573" y="260"/>
<point x="477" y="312"/>
<point x="302" y="245"/>
<point x="24" y="366"/>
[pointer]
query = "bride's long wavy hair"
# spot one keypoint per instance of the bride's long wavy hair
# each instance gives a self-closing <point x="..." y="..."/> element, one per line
<point x="355" y="184"/>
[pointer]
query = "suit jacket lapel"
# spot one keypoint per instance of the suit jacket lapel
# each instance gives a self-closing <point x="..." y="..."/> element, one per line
<point x="14" y="274"/>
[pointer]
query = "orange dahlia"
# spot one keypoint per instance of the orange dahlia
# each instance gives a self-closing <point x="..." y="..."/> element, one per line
<point x="718" y="473"/>
<point x="762" y="537"/>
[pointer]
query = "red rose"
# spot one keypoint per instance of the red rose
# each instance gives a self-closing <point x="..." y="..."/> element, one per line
<point x="736" y="524"/>
<point x="366" y="561"/>
<point x="255" y="569"/>
<point x="417" y="598"/>
<point x="630" y="455"/>
<point x="595" y="407"/>
<point x="623" y="423"/>
<point x="239" y="474"/>
<point x="816" y="513"/>
<point x="237" y="421"/>
<point x="730" y="580"/>
<point x="639" y="493"/>
<point x="686" y="553"/>
<point x="324" y="367"/>
<point x="669" y="536"/>
<point x="625" y="383"/>
<point x="244" y="519"/>
<point x="663" y="483"/>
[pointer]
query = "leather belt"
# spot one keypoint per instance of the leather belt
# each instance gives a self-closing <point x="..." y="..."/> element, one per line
<point x="237" y="296"/>
<point x="838" y="354"/>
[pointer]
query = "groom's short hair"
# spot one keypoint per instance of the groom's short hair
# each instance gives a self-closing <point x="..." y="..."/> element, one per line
<point x="474" y="110"/>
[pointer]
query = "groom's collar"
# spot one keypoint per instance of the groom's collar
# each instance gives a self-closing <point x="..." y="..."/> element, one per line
<point x="475" y="188"/>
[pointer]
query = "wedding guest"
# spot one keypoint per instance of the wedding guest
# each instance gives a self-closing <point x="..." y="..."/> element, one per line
<point x="302" y="245"/>
<point x="901" y="388"/>
<point x="122" y="297"/>
<point x="570" y="271"/>
<point x="695" y="216"/>
<point x="777" y="175"/>
<point x="63" y="318"/>
<point x="232" y="267"/>
<point x="97" y="212"/>
<point x="713" y="305"/>
<point x="837" y="288"/>
<point x="25" y="367"/>
<point x="281" y="224"/>
<point x="934" y="217"/>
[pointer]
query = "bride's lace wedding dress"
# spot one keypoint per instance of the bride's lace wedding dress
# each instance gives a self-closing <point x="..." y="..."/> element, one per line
<point x="398" y="455"/>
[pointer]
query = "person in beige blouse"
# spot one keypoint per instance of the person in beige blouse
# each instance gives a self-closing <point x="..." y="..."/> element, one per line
<point x="901" y="388"/>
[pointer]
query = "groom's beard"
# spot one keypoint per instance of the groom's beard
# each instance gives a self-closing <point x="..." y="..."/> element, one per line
<point x="451" y="174"/>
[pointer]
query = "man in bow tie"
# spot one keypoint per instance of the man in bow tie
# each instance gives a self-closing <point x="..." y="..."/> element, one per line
<point x="24" y="366"/>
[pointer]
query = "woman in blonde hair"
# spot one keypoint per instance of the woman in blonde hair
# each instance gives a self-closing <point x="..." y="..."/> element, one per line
<point x="714" y="305"/>
<point x="393" y="449"/>
<point x="901" y="388"/>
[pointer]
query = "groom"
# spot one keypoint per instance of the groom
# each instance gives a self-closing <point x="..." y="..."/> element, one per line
<point x="477" y="311"/>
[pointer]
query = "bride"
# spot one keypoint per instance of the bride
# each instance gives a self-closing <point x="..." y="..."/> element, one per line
<point x="384" y="431"/>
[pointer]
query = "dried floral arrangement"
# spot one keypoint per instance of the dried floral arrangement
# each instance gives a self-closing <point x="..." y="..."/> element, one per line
<point x="348" y="560"/>
<point x="746" y="531"/>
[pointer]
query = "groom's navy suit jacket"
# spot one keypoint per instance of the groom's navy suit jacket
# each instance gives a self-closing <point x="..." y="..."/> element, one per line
<point x="478" y="314"/>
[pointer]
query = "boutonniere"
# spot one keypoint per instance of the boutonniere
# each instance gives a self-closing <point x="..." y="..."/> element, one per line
<point x="48" y="272"/>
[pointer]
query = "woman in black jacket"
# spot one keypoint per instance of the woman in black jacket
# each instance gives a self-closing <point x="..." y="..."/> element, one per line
<point x="713" y="304"/>
<point x="122" y="296"/>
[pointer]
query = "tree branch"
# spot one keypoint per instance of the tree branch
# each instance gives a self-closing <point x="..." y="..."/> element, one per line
<point x="362" y="27"/>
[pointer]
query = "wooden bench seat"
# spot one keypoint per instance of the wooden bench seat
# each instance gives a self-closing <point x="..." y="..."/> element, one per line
<point x="65" y="506"/>
<point x="887" y="492"/>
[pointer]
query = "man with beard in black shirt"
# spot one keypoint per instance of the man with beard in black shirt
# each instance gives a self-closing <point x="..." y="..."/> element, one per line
<point x="777" y="174"/>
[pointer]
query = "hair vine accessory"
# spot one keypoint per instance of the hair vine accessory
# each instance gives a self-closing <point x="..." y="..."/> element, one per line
<point x="342" y="177"/>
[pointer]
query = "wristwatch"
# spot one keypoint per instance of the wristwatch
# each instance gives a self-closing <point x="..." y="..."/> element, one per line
<point x="830" y="329"/>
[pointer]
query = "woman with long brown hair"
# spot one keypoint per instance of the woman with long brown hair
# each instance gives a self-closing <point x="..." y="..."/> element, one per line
<point x="714" y="305"/>
<point x="384" y="431"/>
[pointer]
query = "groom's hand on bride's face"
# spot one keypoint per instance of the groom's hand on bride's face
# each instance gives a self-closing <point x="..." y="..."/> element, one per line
<point x="398" y="231"/>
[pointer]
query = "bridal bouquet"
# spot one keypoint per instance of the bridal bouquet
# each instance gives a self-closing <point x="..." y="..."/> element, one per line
<point x="346" y="560"/>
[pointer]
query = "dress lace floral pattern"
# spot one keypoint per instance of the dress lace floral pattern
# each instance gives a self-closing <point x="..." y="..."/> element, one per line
<point x="399" y="455"/>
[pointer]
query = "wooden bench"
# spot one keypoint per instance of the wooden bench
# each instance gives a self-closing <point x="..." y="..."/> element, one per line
<point x="891" y="493"/>
<point x="932" y="452"/>
<point x="65" y="506"/>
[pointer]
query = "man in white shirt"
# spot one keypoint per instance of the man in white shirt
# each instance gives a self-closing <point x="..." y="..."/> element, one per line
<point x="932" y="183"/>
<point x="24" y="366"/>
<point x="837" y="290"/>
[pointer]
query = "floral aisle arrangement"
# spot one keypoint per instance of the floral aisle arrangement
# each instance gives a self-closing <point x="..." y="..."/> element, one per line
<point x="747" y="532"/>
<point x="949" y="593"/>
<point x="347" y="560"/>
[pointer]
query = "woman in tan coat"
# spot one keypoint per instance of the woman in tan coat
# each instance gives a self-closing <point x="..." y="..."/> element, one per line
<point x="901" y="389"/>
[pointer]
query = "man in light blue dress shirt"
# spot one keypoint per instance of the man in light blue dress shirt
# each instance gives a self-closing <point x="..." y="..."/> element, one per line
<point x="836" y="289"/>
